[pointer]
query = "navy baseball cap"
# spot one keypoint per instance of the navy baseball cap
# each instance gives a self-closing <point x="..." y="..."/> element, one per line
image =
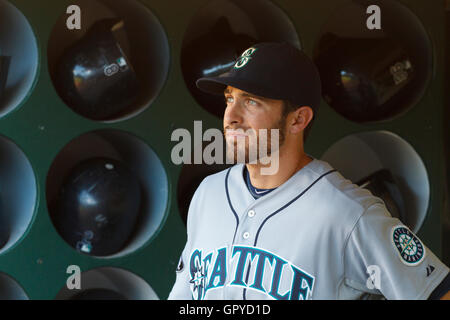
<point x="274" y="70"/>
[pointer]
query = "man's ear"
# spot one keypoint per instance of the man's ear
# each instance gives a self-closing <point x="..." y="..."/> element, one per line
<point x="300" y="118"/>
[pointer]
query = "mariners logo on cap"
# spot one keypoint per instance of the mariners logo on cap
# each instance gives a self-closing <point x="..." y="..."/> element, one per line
<point x="244" y="58"/>
<point x="409" y="247"/>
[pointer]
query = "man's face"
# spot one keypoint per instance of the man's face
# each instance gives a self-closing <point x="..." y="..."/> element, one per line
<point x="246" y="116"/>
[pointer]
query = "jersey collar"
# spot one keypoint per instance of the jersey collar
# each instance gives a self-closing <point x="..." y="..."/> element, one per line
<point x="241" y="200"/>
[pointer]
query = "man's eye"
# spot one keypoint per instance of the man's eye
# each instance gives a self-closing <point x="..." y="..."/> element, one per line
<point x="252" y="102"/>
<point x="228" y="99"/>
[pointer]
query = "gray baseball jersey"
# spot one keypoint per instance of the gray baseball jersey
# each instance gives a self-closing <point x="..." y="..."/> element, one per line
<point x="317" y="236"/>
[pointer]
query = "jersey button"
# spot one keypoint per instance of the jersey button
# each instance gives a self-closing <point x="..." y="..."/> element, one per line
<point x="246" y="235"/>
<point x="251" y="213"/>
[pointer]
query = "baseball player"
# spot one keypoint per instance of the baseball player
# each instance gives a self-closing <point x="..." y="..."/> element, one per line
<point x="303" y="232"/>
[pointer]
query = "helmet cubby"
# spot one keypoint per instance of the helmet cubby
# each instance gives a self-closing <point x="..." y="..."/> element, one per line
<point x="19" y="58"/>
<point x="136" y="190"/>
<point x="108" y="283"/>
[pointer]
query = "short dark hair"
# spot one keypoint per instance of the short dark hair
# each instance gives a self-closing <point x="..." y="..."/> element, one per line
<point x="289" y="107"/>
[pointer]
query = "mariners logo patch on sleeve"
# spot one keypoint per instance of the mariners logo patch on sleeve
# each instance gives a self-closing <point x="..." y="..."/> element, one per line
<point x="410" y="249"/>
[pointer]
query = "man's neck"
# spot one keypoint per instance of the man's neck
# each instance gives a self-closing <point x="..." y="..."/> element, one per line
<point x="288" y="165"/>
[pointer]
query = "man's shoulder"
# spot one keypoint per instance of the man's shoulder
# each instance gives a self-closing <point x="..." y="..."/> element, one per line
<point x="341" y="191"/>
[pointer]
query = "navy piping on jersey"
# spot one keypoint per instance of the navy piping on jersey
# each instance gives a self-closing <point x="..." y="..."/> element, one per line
<point x="290" y="202"/>
<point x="229" y="202"/>
<point x="270" y="216"/>
<point x="265" y="220"/>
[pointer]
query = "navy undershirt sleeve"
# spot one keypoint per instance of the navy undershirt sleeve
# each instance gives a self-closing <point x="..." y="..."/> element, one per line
<point x="441" y="289"/>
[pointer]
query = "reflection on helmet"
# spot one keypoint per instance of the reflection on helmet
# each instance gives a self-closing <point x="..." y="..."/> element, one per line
<point x="366" y="79"/>
<point x="98" y="206"/>
<point x="95" y="77"/>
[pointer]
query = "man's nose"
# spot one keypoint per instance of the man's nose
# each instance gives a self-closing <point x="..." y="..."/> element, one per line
<point x="233" y="113"/>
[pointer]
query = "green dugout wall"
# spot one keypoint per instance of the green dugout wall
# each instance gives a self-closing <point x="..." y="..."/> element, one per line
<point x="42" y="137"/>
